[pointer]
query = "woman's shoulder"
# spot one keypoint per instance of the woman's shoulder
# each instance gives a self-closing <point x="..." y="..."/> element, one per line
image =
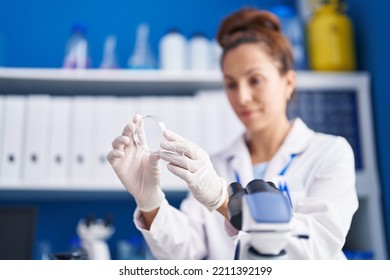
<point x="301" y="132"/>
<point x="330" y="144"/>
<point x="321" y="138"/>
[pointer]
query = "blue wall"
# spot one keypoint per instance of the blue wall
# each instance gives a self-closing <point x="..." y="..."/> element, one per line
<point x="35" y="33"/>
<point x="372" y="25"/>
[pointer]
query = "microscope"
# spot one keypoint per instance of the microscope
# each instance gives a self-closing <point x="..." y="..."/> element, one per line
<point x="263" y="215"/>
<point x="93" y="234"/>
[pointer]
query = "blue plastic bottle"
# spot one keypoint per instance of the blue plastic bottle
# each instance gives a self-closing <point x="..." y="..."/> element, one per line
<point x="293" y="29"/>
<point x="76" y="53"/>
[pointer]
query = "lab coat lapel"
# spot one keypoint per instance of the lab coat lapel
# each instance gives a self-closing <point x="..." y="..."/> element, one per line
<point x="296" y="142"/>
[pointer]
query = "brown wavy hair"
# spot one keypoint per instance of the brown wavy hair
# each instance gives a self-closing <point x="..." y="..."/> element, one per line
<point x="250" y="25"/>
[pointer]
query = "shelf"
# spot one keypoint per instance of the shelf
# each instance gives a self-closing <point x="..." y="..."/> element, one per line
<point x="135" y="82"/>
<point x="106" y="82"/>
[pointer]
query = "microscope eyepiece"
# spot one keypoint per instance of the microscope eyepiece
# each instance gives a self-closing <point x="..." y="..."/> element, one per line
<point x="236" y="192"/>
<point x="258" y="185"/>
<point x="234" y="188"/>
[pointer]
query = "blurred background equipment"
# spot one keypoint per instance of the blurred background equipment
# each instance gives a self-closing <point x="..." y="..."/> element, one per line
<point x="305" y="9"/>
<point x="93" y="234"/>
<point x="133" y="248"/>
<point x="199" y="52"/>
<point x="17" y="232"/>
<point x="142" y="57"/>
<point x="109" y="60"/>
<point x="173" y="51"/>
<point x="293" y="28"/>
<point x="331" y="39"/>
<point x="76" y="53"/>
<point x="216" y="52"/>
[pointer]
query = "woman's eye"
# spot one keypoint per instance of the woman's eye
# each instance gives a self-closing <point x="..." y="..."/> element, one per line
<point x="255" y="81"/>
<point x="230" y="85"/>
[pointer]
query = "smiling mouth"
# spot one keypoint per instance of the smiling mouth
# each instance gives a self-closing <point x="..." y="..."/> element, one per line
<point x="247" y="114"/>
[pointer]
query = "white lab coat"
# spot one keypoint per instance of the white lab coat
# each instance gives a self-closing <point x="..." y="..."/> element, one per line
<point x="321" y="182"/>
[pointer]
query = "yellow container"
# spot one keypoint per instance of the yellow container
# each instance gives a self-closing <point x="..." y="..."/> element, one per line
<point x="330" y="39"/>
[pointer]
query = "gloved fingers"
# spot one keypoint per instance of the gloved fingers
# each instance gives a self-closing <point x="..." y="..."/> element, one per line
<point x="178" y="160"/>
<point x="128" y="130"/>
<point x="180" y="145"/>
<point x="171" y="136"/>
<point x="139" y="129"/>
<point x="181" y="148"/>
<point x="120" y="142"/>
<point x="153" y="159"/>
<point x="180" y="172"/>
<point x="113" y="155"/>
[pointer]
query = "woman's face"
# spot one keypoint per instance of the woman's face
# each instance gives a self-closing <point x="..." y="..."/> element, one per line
<point x="256" y="91"/>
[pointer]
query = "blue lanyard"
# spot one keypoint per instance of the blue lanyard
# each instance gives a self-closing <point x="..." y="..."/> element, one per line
<point x="292" y="156"/>
<point x="283" y="184"/>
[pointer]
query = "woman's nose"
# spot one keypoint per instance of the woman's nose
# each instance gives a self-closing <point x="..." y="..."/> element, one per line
<point x="244" y="95"/>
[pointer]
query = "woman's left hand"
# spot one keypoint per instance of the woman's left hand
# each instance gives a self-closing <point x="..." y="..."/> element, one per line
<point x="192" y="164"/>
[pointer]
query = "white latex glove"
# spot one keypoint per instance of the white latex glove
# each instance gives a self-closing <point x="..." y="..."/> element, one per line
<point x="192" y="164"/>
<point x="137" y="169"/>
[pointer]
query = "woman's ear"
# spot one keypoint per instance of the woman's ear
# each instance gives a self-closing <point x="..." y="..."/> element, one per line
<point x="290" y="83"/>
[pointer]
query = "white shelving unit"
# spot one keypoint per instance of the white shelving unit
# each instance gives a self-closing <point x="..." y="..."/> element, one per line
<point x="103" y="82"/>
<point x="367" y="231"/>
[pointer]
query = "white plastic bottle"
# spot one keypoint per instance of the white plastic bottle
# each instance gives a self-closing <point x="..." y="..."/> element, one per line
<point x="293" y="29"/>
<point x="199" y="52"/>
<point x="173" y="51"/>
<point x="306" y="8"/>
<point x="76" y="54"/>
<point x="109" y="57"/>
<point x="215" y="55"/>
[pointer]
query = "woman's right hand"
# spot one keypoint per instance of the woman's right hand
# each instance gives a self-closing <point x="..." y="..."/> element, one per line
<point x="136" y="168"/>
<point x="191" y="163"/>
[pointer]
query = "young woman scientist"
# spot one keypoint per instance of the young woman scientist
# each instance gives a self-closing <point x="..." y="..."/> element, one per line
<point x="259" y="79"/>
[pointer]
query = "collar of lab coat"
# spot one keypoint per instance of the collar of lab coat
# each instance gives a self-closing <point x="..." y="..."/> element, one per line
<point x="296" y="142"/>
